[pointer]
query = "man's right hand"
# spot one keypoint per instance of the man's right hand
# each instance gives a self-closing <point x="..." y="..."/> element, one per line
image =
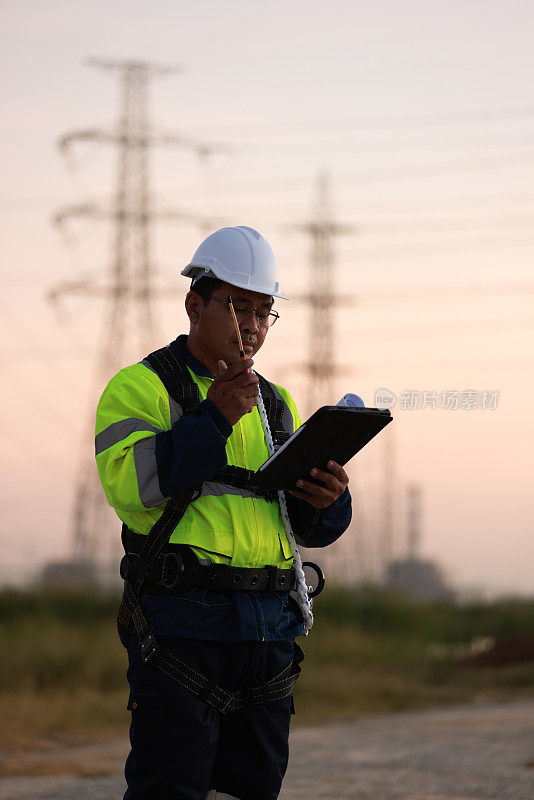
<point x="235" y="390"/>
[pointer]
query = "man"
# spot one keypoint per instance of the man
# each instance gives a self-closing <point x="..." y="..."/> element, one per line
<point x="207" y="618"/>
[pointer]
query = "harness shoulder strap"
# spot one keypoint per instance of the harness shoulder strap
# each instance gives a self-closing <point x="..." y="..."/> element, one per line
<point x="170" y="367"/>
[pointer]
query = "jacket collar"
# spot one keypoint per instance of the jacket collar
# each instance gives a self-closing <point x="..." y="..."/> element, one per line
<point x="181" y="346"/>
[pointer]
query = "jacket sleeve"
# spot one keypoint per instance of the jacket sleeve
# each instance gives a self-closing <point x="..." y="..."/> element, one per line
<point x="193" y="450"/>
<point x="142" y="458"/>
<point x="315" y="527"/>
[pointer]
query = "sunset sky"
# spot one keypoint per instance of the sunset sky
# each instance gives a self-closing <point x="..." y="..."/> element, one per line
<point x="421" y="113"/>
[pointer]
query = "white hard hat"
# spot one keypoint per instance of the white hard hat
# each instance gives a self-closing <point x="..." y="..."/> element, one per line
<point x="239" y="256"/>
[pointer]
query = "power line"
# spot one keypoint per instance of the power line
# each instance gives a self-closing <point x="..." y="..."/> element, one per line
<point x="396" y="172"/>
<point x="444" y="290"/>
<point x="451" y="329"/>
<point x="56" y="353"/>
<point x="348" y="147"/>
<point x="419" y="170"/>
<point x="440" y="247"/>
<point x="430" y="224"/>
<point x="36" y="398"/>
<point x="502" y="362"/>
<point x="389" y="121"/>
<point x="45" y="457"/>
<point x="294" y="183"/>
<point x="284" y="185"/>
<point x="33" y="342"/>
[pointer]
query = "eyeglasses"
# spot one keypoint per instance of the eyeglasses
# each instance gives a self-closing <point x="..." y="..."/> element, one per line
<point x="264" y="318"/>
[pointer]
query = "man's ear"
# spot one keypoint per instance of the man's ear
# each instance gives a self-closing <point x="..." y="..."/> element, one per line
<point x="193" y="305"/>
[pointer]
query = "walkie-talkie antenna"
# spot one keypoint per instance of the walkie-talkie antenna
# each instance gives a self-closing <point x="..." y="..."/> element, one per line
<point x="239" y="339"/>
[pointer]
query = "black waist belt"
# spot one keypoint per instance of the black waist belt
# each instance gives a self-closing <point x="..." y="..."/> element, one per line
<point x="175" y="570"/>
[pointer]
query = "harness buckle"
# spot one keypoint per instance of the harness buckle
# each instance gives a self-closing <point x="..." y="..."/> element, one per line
<point x="172" y="570"/>
<point x="149" y="647"/>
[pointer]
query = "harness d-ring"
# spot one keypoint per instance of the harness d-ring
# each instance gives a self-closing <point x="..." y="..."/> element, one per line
<point x="320" y="578"/>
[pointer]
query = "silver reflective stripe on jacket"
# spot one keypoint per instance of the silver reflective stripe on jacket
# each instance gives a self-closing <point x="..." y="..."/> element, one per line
<point x="146" y="469"/>
<point x="118" y="431"/>
<point x="215" y="489"/>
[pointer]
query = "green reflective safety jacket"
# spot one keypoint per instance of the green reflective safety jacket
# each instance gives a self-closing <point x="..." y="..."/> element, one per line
<point x="225" y="524"/>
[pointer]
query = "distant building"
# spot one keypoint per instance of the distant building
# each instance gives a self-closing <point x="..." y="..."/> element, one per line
<point x="73" y="574"/>
<point x="68" y="574"/>
<point x="422" y="580"/>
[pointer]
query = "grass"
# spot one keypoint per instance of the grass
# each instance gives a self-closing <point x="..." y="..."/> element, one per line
<point x="347" y="673"/>
<point x="373" y="652"/>
<point x="62" y="671"/>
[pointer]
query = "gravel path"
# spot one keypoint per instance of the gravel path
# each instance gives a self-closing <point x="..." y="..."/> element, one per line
<point x="481" y="751"/>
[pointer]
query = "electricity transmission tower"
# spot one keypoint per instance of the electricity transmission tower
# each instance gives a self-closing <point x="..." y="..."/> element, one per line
<point x="370" y="545"/>
<point x="321" y="300"/>
<point x="322" y="365"/>
<point x="129" y="292"/>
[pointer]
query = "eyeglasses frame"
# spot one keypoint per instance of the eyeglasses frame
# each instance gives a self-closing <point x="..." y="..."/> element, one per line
<point x="274" y="314"/>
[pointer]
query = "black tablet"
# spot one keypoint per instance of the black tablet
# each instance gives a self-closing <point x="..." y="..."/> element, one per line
<point x="334" y="433"/>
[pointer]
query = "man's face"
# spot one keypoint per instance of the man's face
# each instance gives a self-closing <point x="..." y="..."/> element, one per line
<point x="213" y="326"/>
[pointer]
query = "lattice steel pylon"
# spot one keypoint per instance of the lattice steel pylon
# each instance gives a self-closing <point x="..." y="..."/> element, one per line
<point x="128" y="328"/>
<point x="322" y="366"/>
<point x="371" y="542"/>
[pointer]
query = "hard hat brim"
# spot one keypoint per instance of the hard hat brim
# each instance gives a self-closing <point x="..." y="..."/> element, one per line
<point x="192" y="269"/>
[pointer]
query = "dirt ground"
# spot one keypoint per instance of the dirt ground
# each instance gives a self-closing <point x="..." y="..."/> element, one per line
<point x="483" y="751"/>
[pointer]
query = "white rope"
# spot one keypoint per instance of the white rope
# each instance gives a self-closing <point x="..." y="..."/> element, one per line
<point x="302" y="590"/>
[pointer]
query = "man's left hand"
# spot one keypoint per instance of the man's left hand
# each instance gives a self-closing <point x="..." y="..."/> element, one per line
<point x="333" y="484"/>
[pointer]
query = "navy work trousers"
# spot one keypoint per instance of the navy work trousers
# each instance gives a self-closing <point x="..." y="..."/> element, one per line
<point x="182" y="747"/>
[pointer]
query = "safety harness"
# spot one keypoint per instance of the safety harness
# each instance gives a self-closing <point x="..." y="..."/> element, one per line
<point x="169" y="570"/>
